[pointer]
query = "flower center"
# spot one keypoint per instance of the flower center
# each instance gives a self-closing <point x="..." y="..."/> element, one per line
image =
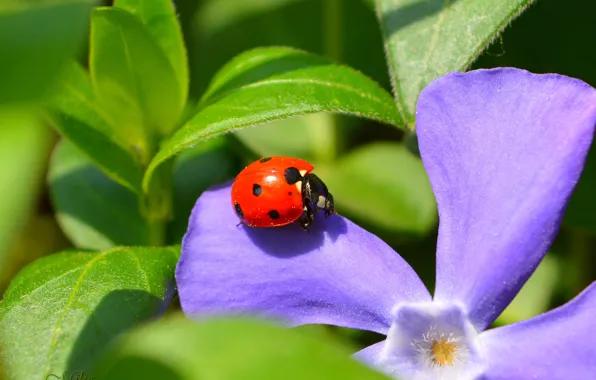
<point x="441" y="345"/>
<point x="443" y="352"/>
<point x="431" y="341"/>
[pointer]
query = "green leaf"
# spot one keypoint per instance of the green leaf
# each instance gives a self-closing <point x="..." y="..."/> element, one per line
<point x="35" y="42"/>
<point x="25" y="143"/>
<point x="76" y="98"/>
<point x="222" y="28"/>
<point x="384" y="184"/>
<point x="535" y="296"/>
<point x="177" y="348"/>
<point x="133" y="78"/>
<point x="81" y="119"/>
<point x="116" y="162"/>
<point x="195" y="170"/>
<point x="274" y="83"/>
<point x="94" y="211"/>
<point x="61" y="311"/>
<point x="426" y="39"/>
<point x="309" y="137"/>
<point x="160" y="18"/>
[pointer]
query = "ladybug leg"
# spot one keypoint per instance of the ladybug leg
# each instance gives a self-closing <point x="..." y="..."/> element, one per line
<point x="307" y="218"/>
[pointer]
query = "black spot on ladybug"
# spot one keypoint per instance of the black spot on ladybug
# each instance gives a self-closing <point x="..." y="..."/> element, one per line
<point x="239" y="210"/>
<point x="256" y="190"/>
<point x="292" y="175"/>
<point x="289" y="193"/>
<point x="264" y="159"/>
<point x="273" y="214"/>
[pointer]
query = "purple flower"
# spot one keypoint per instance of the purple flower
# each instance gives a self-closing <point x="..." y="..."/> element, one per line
<point x="503" y="149"/>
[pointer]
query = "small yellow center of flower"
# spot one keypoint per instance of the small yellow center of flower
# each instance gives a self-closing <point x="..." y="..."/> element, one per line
<point x="443" y="352"/>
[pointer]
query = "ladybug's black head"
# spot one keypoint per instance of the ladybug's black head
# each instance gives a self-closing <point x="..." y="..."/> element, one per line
<point x="315" y="192"/>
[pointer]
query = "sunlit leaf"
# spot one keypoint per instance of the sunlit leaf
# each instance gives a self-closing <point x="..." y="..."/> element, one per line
<point x="75" y="97"/>
<point x="133" y="77"/>
<point x="81" y="119"/>
<point x="61" y="311"/>
<point x="268" y="84"/>
<point x="426" y="39"/>
<point x="160" y="18"/>
<point x="114" y="160"/>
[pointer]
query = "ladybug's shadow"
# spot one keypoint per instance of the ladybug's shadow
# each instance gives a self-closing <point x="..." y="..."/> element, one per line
<point x="291" y="240"/>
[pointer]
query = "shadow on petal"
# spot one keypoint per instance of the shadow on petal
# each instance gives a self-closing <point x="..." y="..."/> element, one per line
<point x="338" y="273"/>
<point x="291" y="240"/>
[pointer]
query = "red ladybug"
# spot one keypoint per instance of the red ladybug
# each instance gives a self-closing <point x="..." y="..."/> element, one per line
<point x="275" y="191"/>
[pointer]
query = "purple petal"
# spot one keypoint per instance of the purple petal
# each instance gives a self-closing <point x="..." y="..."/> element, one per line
<point x="503" y="149"/>
<point x="336" y="274"/>
<point x="371" y="354"/>
<point x="558" y="345"/>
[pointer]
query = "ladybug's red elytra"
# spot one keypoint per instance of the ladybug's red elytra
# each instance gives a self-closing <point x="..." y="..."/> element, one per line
<point x="275" y="191"/>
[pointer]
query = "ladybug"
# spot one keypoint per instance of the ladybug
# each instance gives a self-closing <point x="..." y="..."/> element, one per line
<point x="276" y="191"/>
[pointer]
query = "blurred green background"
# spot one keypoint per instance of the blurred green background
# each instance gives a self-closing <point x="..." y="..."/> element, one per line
<point x="353" y="156"/>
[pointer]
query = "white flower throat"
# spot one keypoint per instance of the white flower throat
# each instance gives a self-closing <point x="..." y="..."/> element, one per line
<point x="439" y="348"/>
<point x="431" y="342"/>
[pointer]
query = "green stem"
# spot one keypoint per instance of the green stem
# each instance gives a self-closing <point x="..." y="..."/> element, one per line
<point x="156" y="209"/>
<point x="156" y="206"/>
<point x="157" y="232"/>
<point x="327" y="133"/>
<point x="333" y="30"/>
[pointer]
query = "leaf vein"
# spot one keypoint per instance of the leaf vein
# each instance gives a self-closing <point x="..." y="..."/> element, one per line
<point x="432" y="46"/>
<point x="75" y="289"/>
<point x="310" y="81"/>
<point x="30" y="293"/>
<point x="143" y="272"/>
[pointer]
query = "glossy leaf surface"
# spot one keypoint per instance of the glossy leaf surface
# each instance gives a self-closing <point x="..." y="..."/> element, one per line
<point x="426" y="39"/>
<point x="274" y="83"/>
<point x="80" y="118"/>
<point x="162" y="22"/>
<point x="133" y="77"/>
<point x="70" y="305"/>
